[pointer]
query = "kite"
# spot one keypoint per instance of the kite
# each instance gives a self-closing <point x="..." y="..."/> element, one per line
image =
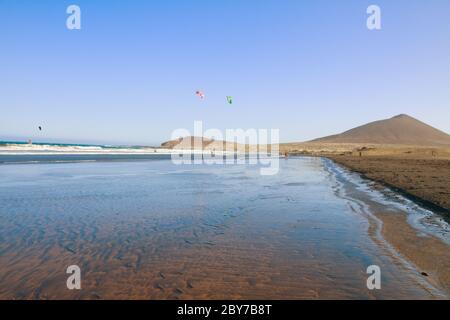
<point x="200" y="94"/>
<point x="40" y="128"/>
<point x="230" y="99"/>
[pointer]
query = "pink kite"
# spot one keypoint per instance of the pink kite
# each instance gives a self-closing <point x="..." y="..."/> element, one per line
<point x="200" y="94"/>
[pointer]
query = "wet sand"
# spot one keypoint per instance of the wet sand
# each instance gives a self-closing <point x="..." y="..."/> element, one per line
<point x="225" y="234"/>
<point x="428" y="254"/>
<point x="424" y="178"/>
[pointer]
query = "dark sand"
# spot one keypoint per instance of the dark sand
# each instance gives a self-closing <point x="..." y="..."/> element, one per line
<point x="425" y="178"/>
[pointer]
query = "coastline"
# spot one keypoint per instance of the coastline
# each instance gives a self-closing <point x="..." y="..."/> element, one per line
<point x="316" y="247"/>
<point x="417" y="247"/>
<point x="429" y="254"/>
<point x="423" y="180"/>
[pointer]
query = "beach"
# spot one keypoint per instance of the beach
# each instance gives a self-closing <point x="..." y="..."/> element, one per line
<point x="225" y="152"/>
<point x="425" y="177"/>
<point x="421" y="173"/>
<point x="152" y="230"/>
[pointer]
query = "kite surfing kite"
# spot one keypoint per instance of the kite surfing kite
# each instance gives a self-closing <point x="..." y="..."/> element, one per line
<point x="200" y="94"/>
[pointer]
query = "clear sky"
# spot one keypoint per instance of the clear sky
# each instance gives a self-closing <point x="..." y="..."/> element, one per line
<point x="129" y="76"/>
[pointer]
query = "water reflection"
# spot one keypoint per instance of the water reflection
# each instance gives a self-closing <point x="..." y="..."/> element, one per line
<point x="152" y="230"/>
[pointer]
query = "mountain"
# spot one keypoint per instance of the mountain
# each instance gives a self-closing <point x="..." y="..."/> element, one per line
<point x="189" y="143"/>
<point x="401" y="129"/>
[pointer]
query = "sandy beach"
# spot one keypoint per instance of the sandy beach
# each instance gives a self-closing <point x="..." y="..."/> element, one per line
<point x="307" y="233"/>
<point x="426" y="178"/>
<point x="228" y="155"/>
<point x="422" y="175"/>
<point x="428" y="253"/>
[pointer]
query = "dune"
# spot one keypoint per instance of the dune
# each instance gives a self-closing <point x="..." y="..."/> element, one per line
<point x="193" y="143"/>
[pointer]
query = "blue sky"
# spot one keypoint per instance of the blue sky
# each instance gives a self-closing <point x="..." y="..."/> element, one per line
<point x="309" y="68"/>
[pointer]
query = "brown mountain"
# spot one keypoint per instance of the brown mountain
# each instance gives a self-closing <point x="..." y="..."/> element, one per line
<point x="190" y="143"/>
<point x="187" y="143"/>
<point x="401" y="129"/>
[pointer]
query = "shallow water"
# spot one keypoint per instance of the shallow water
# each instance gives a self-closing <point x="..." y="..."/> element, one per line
<point x="154" y="230"/>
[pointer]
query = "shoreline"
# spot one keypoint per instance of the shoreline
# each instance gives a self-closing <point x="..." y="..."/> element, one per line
<point x="429" y="254"/>
<point x="260" y="254"/>
<point x="303" y="252"/>
<point x="410" y="243"/>
<point x="378" y="174"/>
